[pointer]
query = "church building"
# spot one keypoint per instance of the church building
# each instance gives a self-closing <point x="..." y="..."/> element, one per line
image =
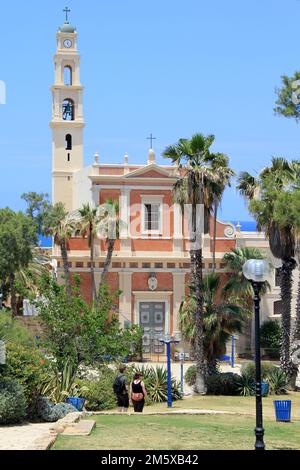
<point x="151" y="261"/>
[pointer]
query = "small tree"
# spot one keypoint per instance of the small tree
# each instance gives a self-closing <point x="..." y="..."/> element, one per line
<point x="288" y="104"/>
<point x="17" y="237"/>
<point x="271" y="336"/>
<point x="37" y="205"/>
<point x="76" y="332"/>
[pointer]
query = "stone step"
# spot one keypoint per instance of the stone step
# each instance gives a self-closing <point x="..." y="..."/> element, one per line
<point x="82" y="428"/>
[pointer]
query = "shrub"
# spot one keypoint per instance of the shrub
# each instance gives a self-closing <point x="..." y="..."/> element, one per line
<point x="278" y="382"/>
<point x="190" y="376"/>
<point x="248" y="369"/>
<point x="270" y="333"/>
<point x="245" y="385"/>
<point x="27" y="366"/>
<point x="12" y="402"/>
<point x="46" y="411"/>
<point x="223" y="384"/>
<point x="99" y="393"/>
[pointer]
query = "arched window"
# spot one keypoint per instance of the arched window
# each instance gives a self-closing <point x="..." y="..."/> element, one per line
<point x="68" y="142"/>
<point x="68" y="79"/>
<point x="68" y="111"/>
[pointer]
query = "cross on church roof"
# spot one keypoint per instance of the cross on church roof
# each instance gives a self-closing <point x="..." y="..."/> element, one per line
<point x="151" y="138"/>
<point x="67" y="11"/>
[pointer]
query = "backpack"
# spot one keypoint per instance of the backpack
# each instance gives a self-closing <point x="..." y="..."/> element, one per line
<point x="118" y="385"/>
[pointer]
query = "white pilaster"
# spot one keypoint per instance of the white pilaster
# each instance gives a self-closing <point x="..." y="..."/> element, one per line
<point x="125" y="282"/>
<point x="125" y="218"/>
<point x="178" y="296"/>
<point x="178" y="239"/>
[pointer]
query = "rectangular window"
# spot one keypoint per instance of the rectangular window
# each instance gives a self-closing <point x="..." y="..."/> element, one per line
<point x="152" y="217"/>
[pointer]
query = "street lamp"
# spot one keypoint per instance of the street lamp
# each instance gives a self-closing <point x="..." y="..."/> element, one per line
<point x="257" y="271"/>
<point x="168" y="340"/>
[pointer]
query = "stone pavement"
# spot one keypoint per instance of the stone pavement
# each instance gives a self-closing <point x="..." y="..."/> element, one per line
<point x="37" y="436"/>
<point x="26" y="437"/>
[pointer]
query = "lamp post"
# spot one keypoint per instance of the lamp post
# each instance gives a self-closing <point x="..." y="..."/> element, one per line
<point x="257" y="271"/>
<point x="168" y="340"/>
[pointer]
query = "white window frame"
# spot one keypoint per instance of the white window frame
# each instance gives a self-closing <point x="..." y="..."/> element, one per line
<point x="152" y="200"/>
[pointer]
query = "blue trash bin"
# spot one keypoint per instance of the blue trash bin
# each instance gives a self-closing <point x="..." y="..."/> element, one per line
<point x="78" y="403"/>
<point x="264" y="389"/>
<point x="283" y="410"/>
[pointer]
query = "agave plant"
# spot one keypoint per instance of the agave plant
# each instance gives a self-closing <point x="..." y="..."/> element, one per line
<point x="156" y="382"/>
<point x="245" y="385"/>
<point x="62" y="385"/>
<point x="278" y="382"/>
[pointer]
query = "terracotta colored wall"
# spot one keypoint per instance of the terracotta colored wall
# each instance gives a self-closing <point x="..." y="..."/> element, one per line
<point x="140" y="281"/>
<point x="104" y="247"/>
<point x="224" y="245"/>
<point x="80" y="244"/>
<point x="105" y="194"/>
<point x="152" y="245"/>
<point x="111" y="171"/>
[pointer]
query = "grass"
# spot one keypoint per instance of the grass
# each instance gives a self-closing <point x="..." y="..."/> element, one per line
<point x="191" y="432"/>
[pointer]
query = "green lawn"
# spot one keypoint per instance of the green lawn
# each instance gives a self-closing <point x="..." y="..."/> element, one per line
<point x="191" y="432"/>
<point x="180" y="432"/>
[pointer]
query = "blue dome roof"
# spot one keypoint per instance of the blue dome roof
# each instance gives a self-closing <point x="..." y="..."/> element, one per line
<point x="67" y="28"/>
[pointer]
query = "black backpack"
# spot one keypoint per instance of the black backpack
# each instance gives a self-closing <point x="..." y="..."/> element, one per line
<point x="118" y="385"/>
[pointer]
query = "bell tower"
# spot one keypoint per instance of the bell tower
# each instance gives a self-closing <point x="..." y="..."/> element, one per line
<point x="67" y="115"/>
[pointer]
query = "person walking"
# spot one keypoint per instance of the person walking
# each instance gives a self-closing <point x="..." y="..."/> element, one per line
<point x="120" y="387"/>
<point x="138" y="393"/>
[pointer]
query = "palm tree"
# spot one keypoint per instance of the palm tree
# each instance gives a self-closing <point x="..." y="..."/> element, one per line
<point x="222" y="318"/>
<point x="88" y="225"/>
<point x="109" y="226"/>
<point x="237" y="285"/>
<point x="262" y="193"/>
<point x="194" y="188"/>
<point x="220" y="164"/>
<point x="61" y="226"/>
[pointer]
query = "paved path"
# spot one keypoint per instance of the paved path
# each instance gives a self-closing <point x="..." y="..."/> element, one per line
<point x="26" y="437"/>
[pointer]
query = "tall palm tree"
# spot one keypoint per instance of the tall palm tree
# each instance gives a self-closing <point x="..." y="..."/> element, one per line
<point x="88" y="226"/>
<point x="237" y="285"/>
<point x="194" y="188"/>
<point x="222" y="318"/>
<point x="61" y="226"/>
<point x="220" y="164"/>
<point x="109" y="227"/>
<point x="262" y="193"/>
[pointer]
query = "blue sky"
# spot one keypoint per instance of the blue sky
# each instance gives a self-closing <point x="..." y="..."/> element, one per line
<point x="170" y="67"/>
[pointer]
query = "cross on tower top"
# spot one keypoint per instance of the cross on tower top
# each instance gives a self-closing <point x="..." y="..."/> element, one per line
<point x="67" y="11"/>
<point x="151" y="138"/>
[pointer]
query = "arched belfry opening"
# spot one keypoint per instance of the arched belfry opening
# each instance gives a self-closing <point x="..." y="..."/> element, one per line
<point x="68" y="111"/>
<point x="68" y="142"/>
<point x="68" y="75"/>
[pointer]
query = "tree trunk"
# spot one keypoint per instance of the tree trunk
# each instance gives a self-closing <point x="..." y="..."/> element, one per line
<point x="93" y="282"/>
<point x="13" y="297"/>
<point x="295" y="344"/>
<point x="296" y="334"/>
<point x="215" y="237"/>
<point x="64" y="255"/>
<point x="110" y="249"/>
<point x="212" y="366"/>
<point x="286" y="298"/>
<point x="196" y="263"/>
